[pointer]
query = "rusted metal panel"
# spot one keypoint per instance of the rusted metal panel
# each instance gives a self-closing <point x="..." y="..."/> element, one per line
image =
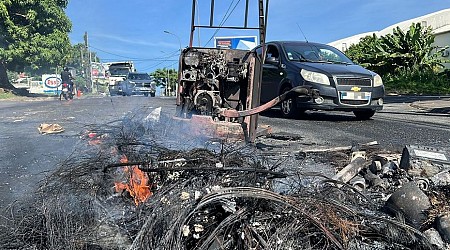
<point x="205" y="126"/>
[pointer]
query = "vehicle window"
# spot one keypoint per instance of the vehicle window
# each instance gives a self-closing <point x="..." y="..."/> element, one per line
<point x="328" y="55"/>
<point x="118" y="71"/>
<point x="315" y="53"/>
<point x="272" y="51"/>
<point x="259" y="52"/>
<point x="139" y="77"/>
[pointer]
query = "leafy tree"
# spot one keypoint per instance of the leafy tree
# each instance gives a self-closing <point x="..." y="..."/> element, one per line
<point x="160" y="76"/>
<point x="411" y="51"/>
<point x="407" y="60"/>
<point x="366" y="53"/>
<point x="32" y="33"/>
<point x="398" y="53"/>
<point x="75" y="59"/>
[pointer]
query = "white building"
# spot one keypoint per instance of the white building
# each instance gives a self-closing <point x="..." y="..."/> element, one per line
<point x="438" y="21"/>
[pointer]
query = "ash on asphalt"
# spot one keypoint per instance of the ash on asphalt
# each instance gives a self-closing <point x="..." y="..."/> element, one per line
<point x="202" y="194"/>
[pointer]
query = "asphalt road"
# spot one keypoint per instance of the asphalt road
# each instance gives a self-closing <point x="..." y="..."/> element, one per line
<point x="397" y="125"/>
<point x="27" y="156"/>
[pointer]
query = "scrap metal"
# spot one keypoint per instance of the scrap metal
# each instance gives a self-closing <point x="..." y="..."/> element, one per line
<point x="219" y="89"/>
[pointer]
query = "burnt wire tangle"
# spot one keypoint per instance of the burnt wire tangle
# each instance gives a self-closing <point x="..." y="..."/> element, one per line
<point x="128" y="187"/>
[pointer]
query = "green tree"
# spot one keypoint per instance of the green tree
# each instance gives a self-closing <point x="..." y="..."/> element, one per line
<point x="79" y="58"/>
<point x="76" y="59"/>
<point x="366" y="53"/>
<point x="411" y="51"/>
<point x="407" y="60"/>
<point x="398" y="53"/>
<point x="32" y="33"/>
<point x="160" y="76"/>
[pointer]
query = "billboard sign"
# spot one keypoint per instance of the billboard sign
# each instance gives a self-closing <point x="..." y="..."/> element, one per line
<point x="98" y="70"/>
<point x="236" y="42"/>
<point x="51" y="83"/>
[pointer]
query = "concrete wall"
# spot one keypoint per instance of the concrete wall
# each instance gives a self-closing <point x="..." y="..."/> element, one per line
<point x="443" y="40"/>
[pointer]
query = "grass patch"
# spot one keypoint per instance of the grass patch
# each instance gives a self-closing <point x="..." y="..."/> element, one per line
<point x="419" y="84"/>
<point x="7" y="95"/>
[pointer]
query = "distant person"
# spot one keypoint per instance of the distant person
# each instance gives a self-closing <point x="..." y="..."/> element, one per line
<point x="66" y="77"/>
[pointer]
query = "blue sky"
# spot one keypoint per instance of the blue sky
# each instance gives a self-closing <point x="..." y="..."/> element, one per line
<point x="134" y="29"/>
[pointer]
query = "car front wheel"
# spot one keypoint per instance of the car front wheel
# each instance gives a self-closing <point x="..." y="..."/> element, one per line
<point x="364" y="114"/>
<point x="288" y="106"/>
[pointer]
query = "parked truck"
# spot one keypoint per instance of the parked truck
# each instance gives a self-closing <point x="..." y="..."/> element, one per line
<point x="117" y="72"/>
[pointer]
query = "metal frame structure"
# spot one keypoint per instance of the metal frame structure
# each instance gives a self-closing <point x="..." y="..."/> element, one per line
<point x="229" y="127"/>
<point x="262" y="11"/>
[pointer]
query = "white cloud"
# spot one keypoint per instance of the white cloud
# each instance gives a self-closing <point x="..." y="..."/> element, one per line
<point x="134" y="41"/>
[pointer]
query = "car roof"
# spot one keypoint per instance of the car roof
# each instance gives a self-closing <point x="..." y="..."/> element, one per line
<point x="293" y="43"/>
<point x="296" y="42"/>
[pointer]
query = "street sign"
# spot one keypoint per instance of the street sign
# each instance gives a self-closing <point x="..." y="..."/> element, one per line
<point x="51" y="83"/>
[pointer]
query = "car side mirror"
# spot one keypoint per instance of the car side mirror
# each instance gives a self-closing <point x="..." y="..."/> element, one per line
<point x="272" y="60"/>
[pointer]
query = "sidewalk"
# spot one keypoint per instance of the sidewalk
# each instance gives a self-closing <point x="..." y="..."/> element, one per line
<point x="441" y="106"/>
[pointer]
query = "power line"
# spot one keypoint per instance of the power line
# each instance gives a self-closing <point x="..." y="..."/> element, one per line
<point x="164" y="58"/>
<point x="158" y="64"/>
<point x="143" y="60"/>
<point x="153" y="66"/>
<point x="224" y="20"/>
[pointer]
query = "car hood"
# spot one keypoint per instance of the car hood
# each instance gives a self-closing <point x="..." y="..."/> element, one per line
<point x="331" y="69"/>
<point x="140" y="81"/>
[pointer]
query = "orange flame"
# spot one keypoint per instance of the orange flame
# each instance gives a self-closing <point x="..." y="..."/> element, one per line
<point x="123" y="159"/>
<point x="137" y="186"/>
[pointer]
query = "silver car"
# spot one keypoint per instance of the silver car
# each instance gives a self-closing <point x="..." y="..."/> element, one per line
<point x="137" y="84"/>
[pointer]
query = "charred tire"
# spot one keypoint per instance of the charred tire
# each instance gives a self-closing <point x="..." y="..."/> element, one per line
<point x="152" y="94"/>
<point x="365" y="114"/>
<point x="288" y="107"/>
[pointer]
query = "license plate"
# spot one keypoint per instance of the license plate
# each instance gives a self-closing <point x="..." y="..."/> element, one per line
<point x="65" y="89"/>
<point x="350" y="95"/>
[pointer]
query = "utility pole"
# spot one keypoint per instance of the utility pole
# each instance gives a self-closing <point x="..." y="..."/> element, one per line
<point x="168" y="83"/>
<point x="81" y="58"/>
<point x="89" y="66"/>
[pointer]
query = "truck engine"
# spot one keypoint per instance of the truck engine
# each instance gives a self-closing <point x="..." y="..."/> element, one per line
<point x="213" y="80"/>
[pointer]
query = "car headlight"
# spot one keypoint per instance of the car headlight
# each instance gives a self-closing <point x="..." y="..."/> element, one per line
<point x="377" y="81"/>
<point x="316" y="77"/>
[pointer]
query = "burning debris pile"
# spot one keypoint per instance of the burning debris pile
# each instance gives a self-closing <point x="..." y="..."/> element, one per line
<point x="130" y="189"/>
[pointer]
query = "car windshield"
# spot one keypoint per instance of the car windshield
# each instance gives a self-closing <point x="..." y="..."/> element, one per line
<point x="315" y="53"/>
<point x="118" y="71"/>
<point x="139" y="77"/>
